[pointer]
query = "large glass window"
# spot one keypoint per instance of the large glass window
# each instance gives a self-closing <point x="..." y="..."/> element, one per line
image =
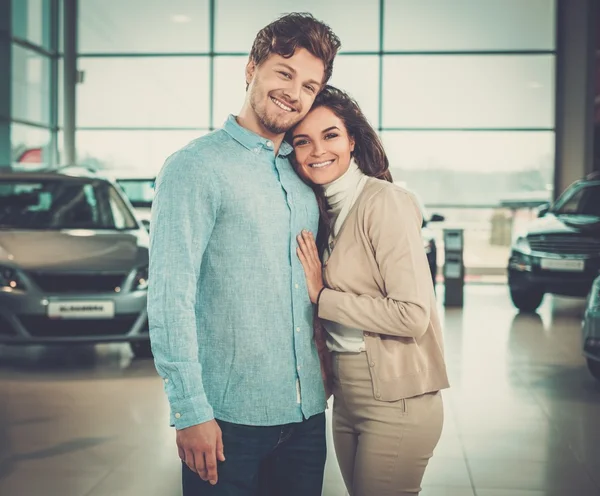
<point x="469" y="91"/>
<point x="149" y="26"/>
<point x="30" y="86"/>
<point x="472" y="168"/>
<point x="356" y="22"/>
<point x="143" y="92"/>
<point x="141" y="151"/>
<point x="31" y="21"/>
<point x="469" y="25"/>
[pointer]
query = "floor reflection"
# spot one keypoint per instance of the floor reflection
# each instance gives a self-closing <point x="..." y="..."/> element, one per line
<point x="521" y="416"/>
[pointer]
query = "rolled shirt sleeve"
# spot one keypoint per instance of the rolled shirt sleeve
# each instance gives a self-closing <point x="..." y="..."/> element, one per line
<point x="184" y="211"/>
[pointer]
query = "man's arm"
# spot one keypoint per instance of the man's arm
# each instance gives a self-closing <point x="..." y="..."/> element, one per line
<point x="183" y="216"/>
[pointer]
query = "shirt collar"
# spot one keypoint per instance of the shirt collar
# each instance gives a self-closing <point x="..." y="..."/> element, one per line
<point x="252" y="141"/>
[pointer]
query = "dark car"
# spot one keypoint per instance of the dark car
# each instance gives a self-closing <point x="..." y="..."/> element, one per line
<point x="591" y="330"/>
<point x="73" y="262"/>
<point x="560" y="252"/>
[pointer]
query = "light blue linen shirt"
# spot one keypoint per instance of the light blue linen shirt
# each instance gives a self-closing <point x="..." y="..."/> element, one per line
<point x="228" y="307"/>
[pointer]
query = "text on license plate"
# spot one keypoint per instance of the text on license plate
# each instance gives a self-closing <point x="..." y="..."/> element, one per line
<point x="81" y="309"/>
<point x="563" y="265"/>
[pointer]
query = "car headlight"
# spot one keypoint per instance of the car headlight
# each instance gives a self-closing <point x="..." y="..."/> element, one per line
<point x="9" y="279"/>
<point x="522" y="245"/>
<point x="140" y="282"/>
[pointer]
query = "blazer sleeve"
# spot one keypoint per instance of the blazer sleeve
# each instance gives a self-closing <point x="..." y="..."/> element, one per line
<point x="392" y="223"/>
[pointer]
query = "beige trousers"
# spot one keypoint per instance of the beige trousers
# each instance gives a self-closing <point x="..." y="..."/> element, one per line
<point x="382" y="447"/>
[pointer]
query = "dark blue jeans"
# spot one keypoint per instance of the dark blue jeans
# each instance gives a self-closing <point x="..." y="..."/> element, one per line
<point x="284" y="460"/>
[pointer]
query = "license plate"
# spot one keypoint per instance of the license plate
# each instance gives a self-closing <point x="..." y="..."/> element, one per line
<point x="563" y="265"/>
<point x="81" y="309"/>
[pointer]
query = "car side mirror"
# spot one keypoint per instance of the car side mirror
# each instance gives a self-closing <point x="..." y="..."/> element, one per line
<point x="146" y="224"/>
<point x="437" y="218"/>
<point x="543" y="210"/>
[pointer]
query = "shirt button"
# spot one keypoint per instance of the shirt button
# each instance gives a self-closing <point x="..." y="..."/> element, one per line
<point x="372" y="364"/>
<point x="377" y="395"/>
<point x="178" y="415"/>
<point x="166" y="381"/>
<point x="297" y="329"/>
<point x="269" y="144"/>
<point x="298" y="367"/>
<point x="296" y="286"/>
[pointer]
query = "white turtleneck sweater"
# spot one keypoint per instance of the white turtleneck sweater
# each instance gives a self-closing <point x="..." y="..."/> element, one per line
<point x="341" y="195"/>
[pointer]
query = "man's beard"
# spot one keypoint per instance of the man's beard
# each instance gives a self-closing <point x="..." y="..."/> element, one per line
<point x="270" y="124"/>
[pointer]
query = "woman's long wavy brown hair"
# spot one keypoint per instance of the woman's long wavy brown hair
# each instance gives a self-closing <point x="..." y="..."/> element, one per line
<point x="368" y="154"/>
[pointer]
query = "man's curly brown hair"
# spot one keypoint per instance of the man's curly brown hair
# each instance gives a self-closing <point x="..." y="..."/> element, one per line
<point x="297" y="30"/>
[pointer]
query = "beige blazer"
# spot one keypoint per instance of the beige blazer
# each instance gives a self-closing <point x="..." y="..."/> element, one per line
<point x="378" y="280"/>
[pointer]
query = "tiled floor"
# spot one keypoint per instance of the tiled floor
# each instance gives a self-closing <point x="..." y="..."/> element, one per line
<point x="522" y="417"/>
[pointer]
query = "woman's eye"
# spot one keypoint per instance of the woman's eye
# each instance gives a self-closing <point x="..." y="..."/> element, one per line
<point x="330" y="136"/>
<point x="300" y="142"/>
<point x="285" y="75"/>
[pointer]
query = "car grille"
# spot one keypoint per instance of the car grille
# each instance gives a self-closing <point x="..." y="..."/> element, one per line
<point x="77" y="283"/>
<point x="39" y="326"/>
<point x="564" y="245"/>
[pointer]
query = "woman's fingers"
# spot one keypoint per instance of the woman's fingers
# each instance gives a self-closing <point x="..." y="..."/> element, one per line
<point x="310" y="252"/>
<point x="303" y="260"/>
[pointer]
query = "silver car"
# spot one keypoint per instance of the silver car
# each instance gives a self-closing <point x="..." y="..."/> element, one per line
<point x="73" y="262"/>
<point x="591" y="330"/>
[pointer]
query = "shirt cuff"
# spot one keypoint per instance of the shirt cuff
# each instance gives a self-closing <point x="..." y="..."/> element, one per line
<point x="191" y="411"/>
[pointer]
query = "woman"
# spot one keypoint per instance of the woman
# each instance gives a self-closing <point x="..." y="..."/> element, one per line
<point x="375" y="298"/>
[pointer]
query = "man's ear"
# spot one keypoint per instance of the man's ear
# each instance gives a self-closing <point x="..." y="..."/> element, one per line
<point x="250" y="70"/>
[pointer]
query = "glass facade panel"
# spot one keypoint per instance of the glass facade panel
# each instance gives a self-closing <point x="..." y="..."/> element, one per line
<point x="356" y="22"/>
<point x="143" y="26"/>
<point x="143" y="92"/>
<point x="469" y="25"/>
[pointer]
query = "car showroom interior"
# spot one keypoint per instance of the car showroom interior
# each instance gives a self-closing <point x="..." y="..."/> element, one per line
<point x="489" y="113"/>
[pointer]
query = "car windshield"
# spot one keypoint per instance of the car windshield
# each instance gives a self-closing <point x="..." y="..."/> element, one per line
<point x="140" y="192"/>
<point x="63" y="204"/>
<point x="581" y="201"/>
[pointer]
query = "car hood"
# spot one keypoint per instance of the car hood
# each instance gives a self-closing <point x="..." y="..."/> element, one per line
<point x="74" y="250"/>
<point x="552" y="224"/>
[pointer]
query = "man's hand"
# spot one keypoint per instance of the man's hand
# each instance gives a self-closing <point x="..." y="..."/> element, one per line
<point x="309" y="258"/>
<point x="200" y="446"/>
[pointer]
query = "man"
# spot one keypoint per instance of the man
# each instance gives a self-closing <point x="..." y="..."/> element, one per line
<point x="230" y="319"/>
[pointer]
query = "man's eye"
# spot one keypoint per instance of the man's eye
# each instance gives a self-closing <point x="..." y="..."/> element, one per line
<point x="310" y="88"/>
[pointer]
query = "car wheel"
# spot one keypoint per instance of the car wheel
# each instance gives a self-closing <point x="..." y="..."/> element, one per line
<point x="526" y="301"/>
<point x="594" y="368"/>
<point x="141" y="349"/>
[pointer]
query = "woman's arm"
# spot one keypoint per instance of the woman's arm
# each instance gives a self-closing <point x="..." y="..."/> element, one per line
<point x="393" y="226"/>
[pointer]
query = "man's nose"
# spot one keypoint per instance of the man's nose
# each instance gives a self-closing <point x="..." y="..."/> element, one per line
<point x="292" y="92"/>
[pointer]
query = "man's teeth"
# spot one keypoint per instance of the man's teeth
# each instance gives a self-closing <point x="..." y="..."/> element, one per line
<point x="321" y="164"/>
<point x="281" y="105"/>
